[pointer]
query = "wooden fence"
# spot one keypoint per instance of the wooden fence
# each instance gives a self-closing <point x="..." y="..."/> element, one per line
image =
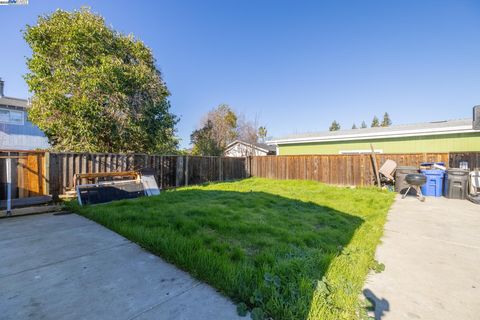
<point x="345" y="169"/>
<point x="44" y="173"/>
<point x="170" y="171"/>
<point x="29" y="174"/>
<point x="39" y="173"/>
<point x="472" y="159"/>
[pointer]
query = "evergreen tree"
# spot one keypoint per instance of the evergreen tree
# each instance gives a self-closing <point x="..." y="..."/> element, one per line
<point x="354" y="126"/>
<point x="335" y="126"/>
<point x="363" y="125"/>
<point x="386" y="120"/>
<point x="375" y="122"/>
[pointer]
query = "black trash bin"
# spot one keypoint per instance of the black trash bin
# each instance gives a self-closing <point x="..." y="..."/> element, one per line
<point x="456" y="184"/>
<point x="400" y="184"/>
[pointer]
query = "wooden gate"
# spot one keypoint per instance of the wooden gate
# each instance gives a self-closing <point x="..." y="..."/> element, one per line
<point x="29" y="177"/>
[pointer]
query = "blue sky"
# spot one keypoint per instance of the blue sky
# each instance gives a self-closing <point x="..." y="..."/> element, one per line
<point x="296" y="65"/>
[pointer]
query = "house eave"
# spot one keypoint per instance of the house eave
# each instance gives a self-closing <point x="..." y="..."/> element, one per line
<point x="11" y="102"/>
<point x="231" y="145"/>
<point x="377" y="135"/>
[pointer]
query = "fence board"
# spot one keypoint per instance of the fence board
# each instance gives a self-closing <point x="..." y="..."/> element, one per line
<point x="34" y="173"/>
<point x="28" y="174"/>
<point x="37" y="176"/>
<point x="341" y="169"/>
<point x="170" y="171"/>
<point x="472" y="159"/>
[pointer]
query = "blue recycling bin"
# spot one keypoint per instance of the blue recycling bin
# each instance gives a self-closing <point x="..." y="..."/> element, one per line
<point x="434" y="185"/>
<point x="430" y="164"/>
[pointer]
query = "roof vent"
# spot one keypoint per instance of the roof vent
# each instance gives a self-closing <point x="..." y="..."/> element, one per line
<point x="476" y="118"/>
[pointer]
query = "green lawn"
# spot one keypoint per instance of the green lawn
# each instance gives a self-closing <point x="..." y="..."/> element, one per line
<point x="287" y="249"/>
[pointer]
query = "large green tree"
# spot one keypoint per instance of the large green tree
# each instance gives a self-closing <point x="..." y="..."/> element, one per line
<point x="204" y="142"/>
<point x="95" y="89"/>
<point x="218" y="128"/>
<point x="221" y="126"/>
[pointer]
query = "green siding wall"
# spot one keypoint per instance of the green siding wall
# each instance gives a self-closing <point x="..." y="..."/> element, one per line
<point x="441" y="143"/>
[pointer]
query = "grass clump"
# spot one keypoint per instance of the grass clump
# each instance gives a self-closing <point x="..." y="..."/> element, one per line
<point x="283" y="249"/>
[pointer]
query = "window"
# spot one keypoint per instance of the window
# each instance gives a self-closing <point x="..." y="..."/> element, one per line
<point x="11" y="116"/>
<point x="359" y="151"/>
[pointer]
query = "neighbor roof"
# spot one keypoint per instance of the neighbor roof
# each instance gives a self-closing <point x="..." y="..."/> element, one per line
<point x="13" y="102"/>
<point x="418" y="129"/>
<point x="263" y="146"/>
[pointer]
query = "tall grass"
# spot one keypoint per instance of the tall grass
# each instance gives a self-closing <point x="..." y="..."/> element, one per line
<point x="290" y="249"/>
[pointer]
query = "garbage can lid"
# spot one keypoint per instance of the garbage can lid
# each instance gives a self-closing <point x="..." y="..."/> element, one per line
<point x="433" y="172"/>
<point x="457" y="172"/>
<point x="428" y="164"/>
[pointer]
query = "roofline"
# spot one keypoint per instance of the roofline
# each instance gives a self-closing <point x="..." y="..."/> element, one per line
<point x="19" y="100"/>
<point x="378" y="135"/>
<point x="14" y="98"/>
<point x="247" y="144"/>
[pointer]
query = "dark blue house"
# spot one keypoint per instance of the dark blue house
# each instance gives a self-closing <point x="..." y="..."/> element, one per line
<point x="16" y="132"/>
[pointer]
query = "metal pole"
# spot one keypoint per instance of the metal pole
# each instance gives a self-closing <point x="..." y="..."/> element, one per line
<point x="8" y="166"/>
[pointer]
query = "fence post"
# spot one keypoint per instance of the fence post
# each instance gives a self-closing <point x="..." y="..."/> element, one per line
<point x="161" y="172"/>
<point x="46" y="171"/>
<point x="251" y="167"/>
<point x="53" y="171"/>
<point x="186" y="170"/>
<point x="220" y="169"/>
<point x="8" y="168"/>
<point x="83" y="165"/>
<point x="179" y="172"/>
<point x="362" y="170"/>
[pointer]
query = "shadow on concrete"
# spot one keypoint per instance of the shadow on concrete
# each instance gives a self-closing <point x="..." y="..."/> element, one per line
<point x="380" y="306"/>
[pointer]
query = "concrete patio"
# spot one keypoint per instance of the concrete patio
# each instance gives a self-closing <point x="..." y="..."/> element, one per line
<point x="431" y="253"/>
<point x="63" y="266"/>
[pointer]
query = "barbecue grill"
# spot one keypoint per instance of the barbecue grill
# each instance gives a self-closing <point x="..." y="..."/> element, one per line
<point x="415" y="181"/>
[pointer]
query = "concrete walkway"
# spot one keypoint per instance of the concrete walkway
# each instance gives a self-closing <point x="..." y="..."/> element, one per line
<point x="431" y="253"/>
<point x="67" y="267"/>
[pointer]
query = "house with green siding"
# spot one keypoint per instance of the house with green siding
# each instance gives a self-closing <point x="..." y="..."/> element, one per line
<point x="437" y="136"/>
